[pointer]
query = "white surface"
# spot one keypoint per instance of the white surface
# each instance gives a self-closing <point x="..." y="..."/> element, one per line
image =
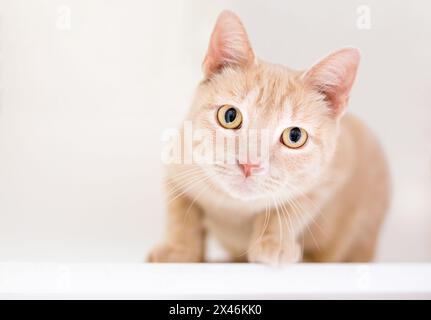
<point x="83" y="108"/>
<point x="214" y="281"/>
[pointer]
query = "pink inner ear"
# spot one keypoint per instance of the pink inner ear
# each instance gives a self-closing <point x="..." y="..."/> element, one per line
<point x="229" y="45"/>
<point x="334" y="77"/>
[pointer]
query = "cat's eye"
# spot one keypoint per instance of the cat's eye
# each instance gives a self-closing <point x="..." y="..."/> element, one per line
<point x="229" y="117"/>
<point x="294" y="137"/>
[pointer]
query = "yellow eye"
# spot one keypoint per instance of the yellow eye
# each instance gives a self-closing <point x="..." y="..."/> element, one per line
<point x="294" y="137"/>
<point x="229" y="117"/>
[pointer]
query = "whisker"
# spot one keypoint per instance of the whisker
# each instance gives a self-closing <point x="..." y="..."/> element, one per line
<point x="205" y="188"/>
<point x="184" y="174"/>
<point x="190" y="186"/>
<point x="309" y="216"/>
<point x="286" y="212"/>
<point x="279" y="223"/>
<point x="296" y="209"/>
<point x="183" y="171"/>
<point x="299" y="216"/>
<point x="259" y="238"/>
<point x="181" y="185"/>
<point x="303" y="196"/>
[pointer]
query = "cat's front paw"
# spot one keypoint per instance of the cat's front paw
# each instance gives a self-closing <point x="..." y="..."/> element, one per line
<point x="270" y="251"/>
<point x="166" y="252"/>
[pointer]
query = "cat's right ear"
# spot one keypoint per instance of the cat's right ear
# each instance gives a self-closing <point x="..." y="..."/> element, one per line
<point x="229" y="45"/>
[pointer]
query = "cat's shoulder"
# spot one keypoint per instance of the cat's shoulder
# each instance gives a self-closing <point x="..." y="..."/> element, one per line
<point x="354" y="131"/>
<point x="354" y="124"/>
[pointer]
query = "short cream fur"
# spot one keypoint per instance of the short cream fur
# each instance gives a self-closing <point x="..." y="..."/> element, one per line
<point x="322" y="202"/>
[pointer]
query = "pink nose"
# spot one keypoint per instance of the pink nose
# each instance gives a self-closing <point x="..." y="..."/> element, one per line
<point x="248" y="167"/>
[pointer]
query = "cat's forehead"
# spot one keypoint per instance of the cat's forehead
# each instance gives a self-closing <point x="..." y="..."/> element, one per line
<point x="270" y="82"/>
<point x="266" y="89"/>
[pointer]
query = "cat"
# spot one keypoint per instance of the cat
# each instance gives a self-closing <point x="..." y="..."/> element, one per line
<point x="321" y="193"/>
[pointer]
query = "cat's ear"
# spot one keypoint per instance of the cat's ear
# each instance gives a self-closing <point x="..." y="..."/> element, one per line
<point x="229" y="45"/>
<point x="334" y="76"/>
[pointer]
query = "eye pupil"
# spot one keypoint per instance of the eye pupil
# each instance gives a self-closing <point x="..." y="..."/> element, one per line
<point x="295" y="134"/>
<point x="230" y="115"/>
<point x="294" y="137"/>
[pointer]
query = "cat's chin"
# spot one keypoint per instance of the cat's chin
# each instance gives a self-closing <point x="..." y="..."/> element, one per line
<point x="244" y="189"/>
<point x="246" y="196"/>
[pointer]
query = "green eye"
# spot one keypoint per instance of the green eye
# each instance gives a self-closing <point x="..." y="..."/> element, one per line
<point x="294" y="137"/>
<point x="229" y="117"/>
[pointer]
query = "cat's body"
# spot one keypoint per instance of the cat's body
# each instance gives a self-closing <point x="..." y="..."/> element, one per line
<point x="322" y="201"/>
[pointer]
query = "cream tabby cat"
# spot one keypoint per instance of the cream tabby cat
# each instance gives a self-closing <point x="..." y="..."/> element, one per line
<point x="322" y="192"/>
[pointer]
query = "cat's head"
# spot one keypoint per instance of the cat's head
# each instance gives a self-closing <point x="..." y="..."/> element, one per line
<point x="296" y="111"/>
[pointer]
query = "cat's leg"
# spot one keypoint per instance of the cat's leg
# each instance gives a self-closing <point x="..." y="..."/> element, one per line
<point x="362" y="238"/>
<point x="184" y="240"/>
<point x="351" y="236"/>
<point x="273" y="240"/>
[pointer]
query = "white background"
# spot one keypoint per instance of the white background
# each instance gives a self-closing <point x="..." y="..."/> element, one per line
<point x="87" y="88"/>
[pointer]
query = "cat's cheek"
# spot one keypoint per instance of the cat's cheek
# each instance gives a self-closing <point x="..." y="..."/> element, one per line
<point x="295" y="163"/>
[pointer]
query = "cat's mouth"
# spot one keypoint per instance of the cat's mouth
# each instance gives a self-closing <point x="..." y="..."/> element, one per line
<point x="242" y="184"/>
<point x="247" y="189"/>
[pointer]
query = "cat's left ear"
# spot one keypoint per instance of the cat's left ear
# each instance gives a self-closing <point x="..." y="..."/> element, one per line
<point x="334" y="76"/>
<point x="229" y="45"/>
